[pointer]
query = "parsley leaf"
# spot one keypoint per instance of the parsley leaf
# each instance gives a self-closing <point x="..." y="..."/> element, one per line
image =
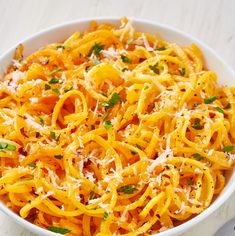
<point x="54" y="81"/>
<point x="183" y="71"/>
<point x="125" y="59"/>
<point x="128" y="189"/>
<point x="53" y="136"/>
<point x="106" y="114"/>
<point x="138" y="146"/>
<point x="219" y="110"/>
<point x="67" y="90"/>
<point x="160" y="48"/>
<point x="105" y="217"/>
<point x="96" y="49"/>
<point x="92" y="195"/>
<point x="47" y="87"/>
<point x="154" y="68"/>
<point x="61" y="46"/>
<point x="113" y="101"/>
<point x="210" y="99"/>
<point x="197" y="125"/>
<point x="33" y="165"/>
<point x="58" y="156"/>
<point x="108" y="124"/>
<point x="124" y="69"/>
<point x="42" y="121"/>
<point x="56" y="90"/>
<point x="54" y="71"/>
<point x="198" y="156"/>
<point x="189" y="182"/>
<point x="7" y="146"/>
<point x="58" y="230"/>
<point x="146" y="87"/>
<point x="228" y="149"/>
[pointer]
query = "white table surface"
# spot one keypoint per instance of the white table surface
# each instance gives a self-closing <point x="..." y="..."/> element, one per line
<point x="212" y="21"/>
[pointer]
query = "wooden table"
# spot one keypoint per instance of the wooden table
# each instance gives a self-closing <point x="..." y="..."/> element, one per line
<point x="210" y="21"/>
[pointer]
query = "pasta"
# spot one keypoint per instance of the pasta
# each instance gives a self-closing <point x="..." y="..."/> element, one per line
<point x="113" y="132"/>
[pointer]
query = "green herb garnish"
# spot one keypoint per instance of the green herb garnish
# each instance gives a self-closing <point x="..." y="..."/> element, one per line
<point x="105" y="217"/>
<point x="197" y="124"/>
<point x="219" y="110"/>
<point x="58" y="230"/>
<point x="113" y="101"/>
<point x="160" y="48"/>
<point x="54" y="71"/>
<point x="33" y="165"/>
<point x="53" y="136"/>
<point x="92" y="195"/>
<point x="228" y="149"/>
<point x="58" y="156"/>
<point x="210" y="99"/>
<point x="183" y="71"/>
<point x="96" y="49"/>
<point x="154" y="68"/>
<point x="138" y="146"/>
<point x="108" y="124"/>
<point x="54" y="81"/>
<point x="69" y="89"/>
<point x="128" y="189"/>
<point x="47" y="87"/>
<point x="189" y="182"/>
<point x="125" y="59"/>
<point x="146" y="87"/>
<point x="61" y="46"/>
<point x="198" y="156"/>
<point x="106" y="114"/>
<point x="7" y="146"/>
<point x="124" y="69"/>
<point x="42" y="121"/>
<point x="56" y="90"/>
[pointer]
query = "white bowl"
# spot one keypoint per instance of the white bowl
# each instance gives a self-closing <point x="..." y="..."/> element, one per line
<point x="213" y="62"/>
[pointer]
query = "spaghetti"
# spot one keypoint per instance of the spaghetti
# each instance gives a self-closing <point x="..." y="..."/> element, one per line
<point x="113" y="132"/>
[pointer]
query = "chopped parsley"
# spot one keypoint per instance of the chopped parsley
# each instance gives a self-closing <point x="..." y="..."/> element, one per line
<point x="146" y="87"/>
<point x="61" y="46"/>
<point x="58" y="230"/>
<point x="113" y="101"/>
<point x="106" y="114"/>
<point x="105" y="217"/>
<point x="42" y="121"/>
<point x="54" y="81"/>
<point x="198" y="156"/>
<point x="189" y="182"/>
<point x="47" y="87"/>
<point x="228" y="149"/>
<point x="183" y="71"/>
<point x="96" y="49"/>
<point x="54" y="71"/>
<point x="138" y="146"/>
<point x="69" y="89"/>
<point x="53" y="136"/>
<point x="219" y="110"/>
<point x="210" y="99"/>
<point x="7" y="146"/>
<point x="154" y="68"/>
<point x="33" y="165"/>
<point x="125" y="59"/>
<point x="160" y="48"/>
<point x="58" y="156"/>
<point x="124" y="69"/>
<point x="108" y="124"/>
<point x="92" y="195"/>
<point x="128" y="189"/>
<point x="56" y="90"/>
<point x="197" y="124"/>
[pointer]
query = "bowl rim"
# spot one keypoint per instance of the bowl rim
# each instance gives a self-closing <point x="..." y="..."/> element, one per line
<point x="170" y="232"/>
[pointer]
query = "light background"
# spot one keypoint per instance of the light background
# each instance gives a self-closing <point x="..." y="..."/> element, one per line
<point x="212" y="21"/>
